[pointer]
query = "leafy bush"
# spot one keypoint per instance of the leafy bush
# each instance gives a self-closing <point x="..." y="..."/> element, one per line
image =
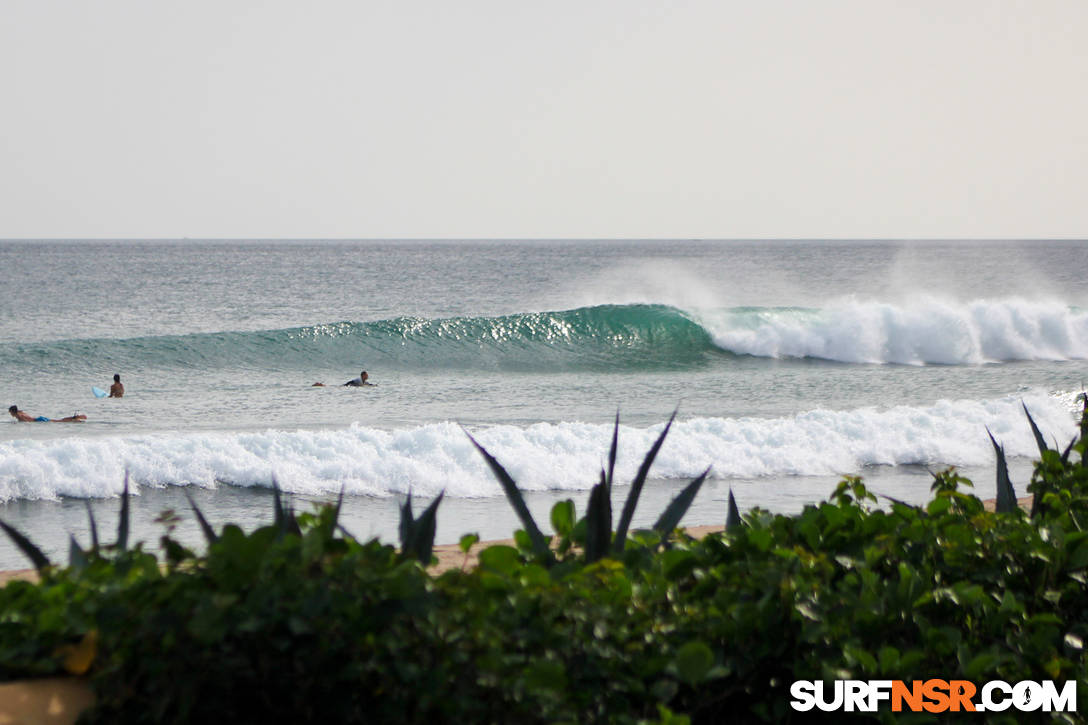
<point x="299" y="618"/>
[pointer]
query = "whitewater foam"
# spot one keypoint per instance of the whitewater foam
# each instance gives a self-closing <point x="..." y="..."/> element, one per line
<point x="922" y="331"/>
<point x="431" y="458"/>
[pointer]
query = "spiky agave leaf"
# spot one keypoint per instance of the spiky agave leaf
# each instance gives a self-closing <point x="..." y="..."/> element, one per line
<point x="279" y="517"/>
<point x="921" y="511"/>
<point x="732" y="518"/>
<point x="420" y="543"/>
<point x="1039" y="440"/>
<point x="77" y="558"/>
<point x="123" y="522"/>
<point x="679" y="506"/>
<point x="612" y="451"/>
<point x="1068" y="450"/>
<point x="291" y="521"/>
<point x="598" y="530"/>
<point x="283" y="514"/>
<point x="636" y="489"/>
<point x="209" y="532"/>
<point x="407" y="522"/>
<point x="1083" y="419"/>
<point x="1006" y="496"/>
<point x="32" y="552"/>
<point x="336" y="511"/>
<point x="94" y="527"/>
<point x="513" y="495"/>
<point x="347" y="534"/>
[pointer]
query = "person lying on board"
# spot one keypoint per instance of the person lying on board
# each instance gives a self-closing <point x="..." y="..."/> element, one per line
<point x="353" y="383"/>
<point x="358" y="382"/>
<point x="22" y="417"/>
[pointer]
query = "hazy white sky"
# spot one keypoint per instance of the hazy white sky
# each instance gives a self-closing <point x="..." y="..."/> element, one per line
<point x="511" y="118"/>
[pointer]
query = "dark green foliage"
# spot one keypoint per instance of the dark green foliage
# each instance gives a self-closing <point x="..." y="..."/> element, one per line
<point x="272" y="625"/>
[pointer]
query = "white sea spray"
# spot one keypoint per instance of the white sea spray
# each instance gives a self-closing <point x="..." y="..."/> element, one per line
<point x="918" y="331"/>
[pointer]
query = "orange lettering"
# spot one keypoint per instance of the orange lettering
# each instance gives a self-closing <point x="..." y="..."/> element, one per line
<point x="934" y="690"/>
<point x="961" y="692"/>
<point x="912" y="696"/>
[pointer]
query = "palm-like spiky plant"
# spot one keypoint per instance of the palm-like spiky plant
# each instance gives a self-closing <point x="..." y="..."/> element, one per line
<point x="599" y="539"/>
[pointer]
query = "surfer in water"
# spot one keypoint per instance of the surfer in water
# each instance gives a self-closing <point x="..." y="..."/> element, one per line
<point x="358" y="382"/>
<point x="22" y="417"/>
<point x="117" y="390"/>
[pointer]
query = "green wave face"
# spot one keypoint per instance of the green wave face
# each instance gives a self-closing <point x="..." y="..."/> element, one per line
<point x="612" y="337"/>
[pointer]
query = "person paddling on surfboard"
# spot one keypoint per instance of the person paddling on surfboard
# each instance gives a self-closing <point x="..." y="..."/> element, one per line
<point x="353" y="383"/>
<point x="117" y="390"/>
<point x="22" y="417"/>
<point x="357" y="382"/>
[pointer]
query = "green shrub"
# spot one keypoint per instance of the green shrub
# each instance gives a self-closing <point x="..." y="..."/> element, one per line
<point x="299" y="619"/>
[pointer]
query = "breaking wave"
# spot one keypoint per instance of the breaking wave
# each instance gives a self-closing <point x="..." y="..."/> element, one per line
<point x="610" y="338"/>
<point x="545" y="456"/>
<point x="925" y="331"/>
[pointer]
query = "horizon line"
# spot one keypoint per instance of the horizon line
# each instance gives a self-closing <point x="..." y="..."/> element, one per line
<point x="545" y="239"/>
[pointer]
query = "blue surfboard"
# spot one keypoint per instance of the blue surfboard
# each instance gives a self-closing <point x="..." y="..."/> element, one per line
<point x="99" y="392"/>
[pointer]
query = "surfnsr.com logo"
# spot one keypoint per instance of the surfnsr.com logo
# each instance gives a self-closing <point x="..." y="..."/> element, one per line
<point x="933" y="696"/>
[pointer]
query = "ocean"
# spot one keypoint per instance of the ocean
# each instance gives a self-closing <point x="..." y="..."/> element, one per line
<point x="789" y="363"/>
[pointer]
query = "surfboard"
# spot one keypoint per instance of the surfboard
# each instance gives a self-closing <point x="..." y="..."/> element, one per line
<point x="98" y="392"/>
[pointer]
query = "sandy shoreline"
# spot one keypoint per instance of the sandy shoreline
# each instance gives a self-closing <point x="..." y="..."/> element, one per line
<point x="450" y="556"/>
<point x="18" y="574"/>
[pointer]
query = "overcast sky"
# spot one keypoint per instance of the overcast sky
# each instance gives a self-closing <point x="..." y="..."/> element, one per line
<point x="514" y="118"/>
